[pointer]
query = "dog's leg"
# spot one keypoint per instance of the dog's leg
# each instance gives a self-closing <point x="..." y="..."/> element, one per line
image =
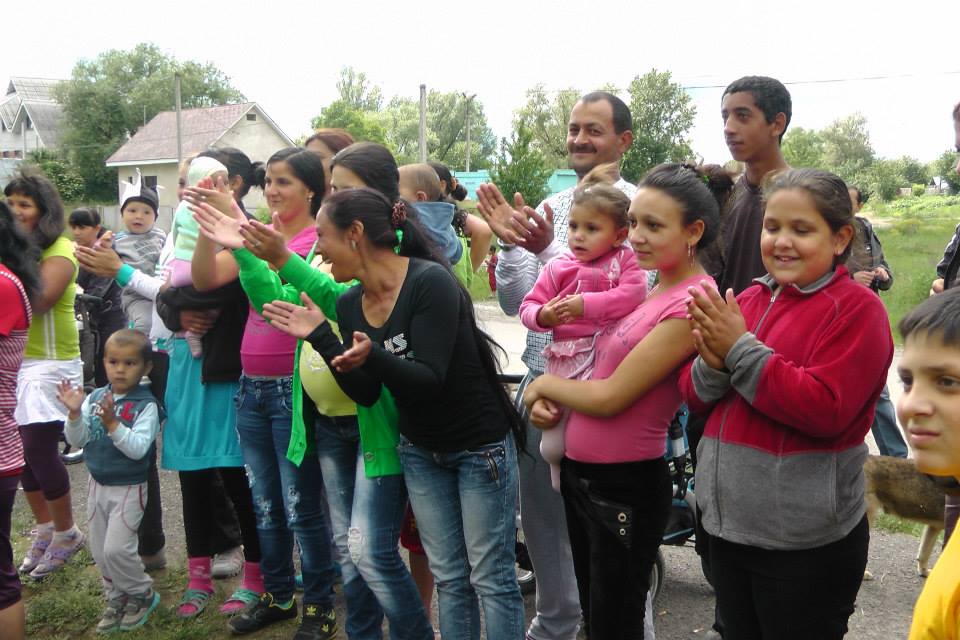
<point x="927" y="540"/>
<point x="873" y="505"/>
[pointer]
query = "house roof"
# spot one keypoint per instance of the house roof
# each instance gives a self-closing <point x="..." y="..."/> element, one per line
<point x="33" y="89"/>
<point x="33" y="98"/>
<point x="200" y="128"/>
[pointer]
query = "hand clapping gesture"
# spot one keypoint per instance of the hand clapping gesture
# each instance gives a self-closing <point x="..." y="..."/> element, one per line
<point x="71" y="397"/>
<point x="295" y="320"/>
<point x="517" y="224"/>
<point x="717" y="323"/>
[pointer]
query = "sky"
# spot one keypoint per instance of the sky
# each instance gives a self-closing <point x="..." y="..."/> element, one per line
<point x="287" y="54"/>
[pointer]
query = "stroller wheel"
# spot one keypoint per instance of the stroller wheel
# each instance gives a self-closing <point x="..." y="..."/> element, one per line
<point x="656" y="576"/>
<point x="69" y="455"/>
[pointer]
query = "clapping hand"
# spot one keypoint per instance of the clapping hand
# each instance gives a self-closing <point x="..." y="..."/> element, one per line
<point x="717" y="323"/>
<point x="107" y="412"/>
<point x="292" y="319"/>
<point x="71" y="396"/>
<point x="356" y="355"/>
<point x="266" y="243"/>
<point x="517" y="224"/>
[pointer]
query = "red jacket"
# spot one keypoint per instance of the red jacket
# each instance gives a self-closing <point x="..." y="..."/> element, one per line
<point x="780" y="462"/>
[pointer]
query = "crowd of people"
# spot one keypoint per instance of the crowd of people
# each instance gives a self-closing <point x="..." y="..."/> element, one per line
<point x="325" y="393"/>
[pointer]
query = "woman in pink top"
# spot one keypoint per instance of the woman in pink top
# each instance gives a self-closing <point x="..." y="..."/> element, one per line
<point x="614" y="479"/>
<point x="287" y="498"/>
<point x="578" y="293"/>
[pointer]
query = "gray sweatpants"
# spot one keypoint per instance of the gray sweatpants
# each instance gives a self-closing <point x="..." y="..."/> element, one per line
<point x="113" y="517"/>
<point x="545" y="532"/>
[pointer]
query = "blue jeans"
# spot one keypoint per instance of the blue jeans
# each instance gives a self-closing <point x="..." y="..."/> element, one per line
<point x="366" y="515"/>
<point x="287" y="499"/>
<point x="885" y="431"/>
<point x="465" y="503"/>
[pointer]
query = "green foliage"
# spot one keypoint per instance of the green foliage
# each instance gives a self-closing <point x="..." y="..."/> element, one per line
<point x="362" y="125"/>
<point x="61" y="173"/>
<point x="882" y="178"/>
<point x="945" y="167"/>
<point x="663" y="113"/>
<point x="521" y="168"/>
<point x="547" y="115"/>
<point x="803" y="148"/>
<point x="108" y="98"/>
<point x="913" y="171"/>
<point x="360" y="110"/>
<point x="918" y="189"/>
<point x="846" y="146"/>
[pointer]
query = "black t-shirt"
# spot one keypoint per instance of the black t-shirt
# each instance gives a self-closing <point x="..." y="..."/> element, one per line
<point x="426" y="355"/>
<point x="741" y="227"/>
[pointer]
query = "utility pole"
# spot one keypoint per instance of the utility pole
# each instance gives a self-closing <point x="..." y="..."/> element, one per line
<point x="467" y="108"/>
<point x="423" y="123"/>
<point x="176" y="98"/>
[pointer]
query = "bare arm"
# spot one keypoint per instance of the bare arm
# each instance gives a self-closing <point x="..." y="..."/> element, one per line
<point x="56" y="274"/>
<point x="480" y="238"/>
<point x="211" y="269"/>
<point x="664" y="349"/>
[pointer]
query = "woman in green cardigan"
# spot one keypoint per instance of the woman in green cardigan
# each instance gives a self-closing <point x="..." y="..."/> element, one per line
<point x="358" y="458"/>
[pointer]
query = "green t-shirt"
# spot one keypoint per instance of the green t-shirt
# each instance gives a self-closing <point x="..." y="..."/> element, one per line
<point x="53" y="335"/>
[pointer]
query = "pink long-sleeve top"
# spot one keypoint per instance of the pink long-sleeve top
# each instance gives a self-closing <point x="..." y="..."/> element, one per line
<point x="612" y="286"/>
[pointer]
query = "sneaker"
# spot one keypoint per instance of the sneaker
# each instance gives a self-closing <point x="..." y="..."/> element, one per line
<point x="317" y="624"/>
<point x="110" y="620"/>
<point x="264" y="612"/>
<point x="227" y="564"/>
<point x="138" y="609"/>
<point x="36" y="551"/>
<point x="154" y="561"/>
<point x="56" y="556"/>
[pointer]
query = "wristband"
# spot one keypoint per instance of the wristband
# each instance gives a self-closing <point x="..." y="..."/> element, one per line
<point x="504" y="246"/>
<point x="125" y="275"/>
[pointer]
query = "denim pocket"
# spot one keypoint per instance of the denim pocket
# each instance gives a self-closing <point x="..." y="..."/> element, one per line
<point x="286" y="395"/>
<point x="239" y="396"/>
<point x="494" y="458"/>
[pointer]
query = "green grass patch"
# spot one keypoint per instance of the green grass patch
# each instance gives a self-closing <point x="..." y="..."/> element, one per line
<point x="893" y="524"/>
<point x="913" y="248"/>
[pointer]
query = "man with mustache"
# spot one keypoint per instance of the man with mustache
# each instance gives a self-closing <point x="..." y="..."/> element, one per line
<point x="599" y="132"/>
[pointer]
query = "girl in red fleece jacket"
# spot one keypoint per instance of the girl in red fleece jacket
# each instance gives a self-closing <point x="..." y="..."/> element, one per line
<point x="790" y="372"/>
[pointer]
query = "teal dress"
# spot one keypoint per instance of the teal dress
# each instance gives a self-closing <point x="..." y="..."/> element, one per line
<point x="201" y="427"/>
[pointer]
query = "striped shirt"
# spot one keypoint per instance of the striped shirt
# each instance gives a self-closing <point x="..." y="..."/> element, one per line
<point x="13" y="338"/>
<point x="517" y="269"/>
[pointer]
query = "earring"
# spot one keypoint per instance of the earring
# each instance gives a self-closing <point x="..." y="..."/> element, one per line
<point x="353" y="245"/>
<point x="690" y="258"/>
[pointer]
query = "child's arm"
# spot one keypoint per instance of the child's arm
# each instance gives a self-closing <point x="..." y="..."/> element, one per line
<point x="701" y="386"/>
<point x="135" y="442"/>
<point x="602" y="307"/>
<point x="544" y="290"/>
<point x="76" y="429"/>
<point x="823" y="396"/>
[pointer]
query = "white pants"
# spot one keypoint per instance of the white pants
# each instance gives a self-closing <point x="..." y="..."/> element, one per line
<point x="113" y="517"/>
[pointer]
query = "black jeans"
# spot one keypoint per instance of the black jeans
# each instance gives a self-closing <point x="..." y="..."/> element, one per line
<point x="203" y="492"/>
<point x="788" y="595"/>
<point x="616" y="515"/>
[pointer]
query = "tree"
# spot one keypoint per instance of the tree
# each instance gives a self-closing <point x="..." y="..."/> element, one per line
<point x="662" y="116"/>
<point x="913" y="171"/>
<point x="362" y="125"/>
<point x="884" y="179"/>
<point x="846" y="146"/>
<point x="108" y="98"/>
<point x="946" y="167"/>
<point x="521" y="167"/>
<point x="356" y="92"/>
<point x="66" y="179"/>
<point x="803" y="148"/>
<point x="546" y="115"/>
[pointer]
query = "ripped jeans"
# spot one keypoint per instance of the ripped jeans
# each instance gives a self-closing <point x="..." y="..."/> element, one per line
<point x="366" y="515"/>
<point x="287" y="499"/>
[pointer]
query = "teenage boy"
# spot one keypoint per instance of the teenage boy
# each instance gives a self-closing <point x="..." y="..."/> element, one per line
<point x="600" y="131"/>
<point x="929" y="410"/>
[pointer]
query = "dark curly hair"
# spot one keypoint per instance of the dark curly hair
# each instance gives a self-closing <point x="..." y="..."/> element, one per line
<point x="36" y="186"/>
<point x="18" y="253"/>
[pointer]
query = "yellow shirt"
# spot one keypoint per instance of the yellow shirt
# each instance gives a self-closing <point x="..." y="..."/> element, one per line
<point x="937" y="613"/>
<point x="54" y="335"/>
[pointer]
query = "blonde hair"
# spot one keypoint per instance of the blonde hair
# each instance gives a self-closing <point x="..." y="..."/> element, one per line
<point x="597" y="191"/>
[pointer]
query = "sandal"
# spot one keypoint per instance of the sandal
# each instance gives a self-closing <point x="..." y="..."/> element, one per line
<point x="56" y="556"/>
<point x="37" y="549"/>
<point x="238" y="601"/>
<point x="193" y="602"/>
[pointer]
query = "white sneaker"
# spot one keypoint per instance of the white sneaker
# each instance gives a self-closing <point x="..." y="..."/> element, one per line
<point x="227" y="564"/>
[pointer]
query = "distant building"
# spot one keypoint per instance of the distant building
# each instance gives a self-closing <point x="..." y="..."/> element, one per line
<point x="153" y="149"/>
<point x="558" y="181"/>
<point x="30" y="117"/>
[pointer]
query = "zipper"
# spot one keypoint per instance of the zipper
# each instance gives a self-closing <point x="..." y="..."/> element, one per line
<point x="723" y="419"/>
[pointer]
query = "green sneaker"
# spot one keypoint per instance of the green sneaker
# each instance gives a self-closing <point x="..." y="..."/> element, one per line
<point x="263" y="613"/>
<point x="138" y="610"/>
<point x="317" y="624"/>
<point x="110" y="620"/>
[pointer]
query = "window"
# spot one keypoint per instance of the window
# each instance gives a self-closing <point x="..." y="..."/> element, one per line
<point x="251" y="117"/>
<point x="150" y="181"/>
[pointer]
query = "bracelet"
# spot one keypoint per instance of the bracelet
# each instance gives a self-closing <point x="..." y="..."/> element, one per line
<point x="504" y="246"/>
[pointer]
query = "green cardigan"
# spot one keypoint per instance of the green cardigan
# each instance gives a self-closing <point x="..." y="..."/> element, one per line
<point x="379" y="435"/>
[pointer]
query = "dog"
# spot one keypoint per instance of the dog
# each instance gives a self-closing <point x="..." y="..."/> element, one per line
<point x="895" y="485"/>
